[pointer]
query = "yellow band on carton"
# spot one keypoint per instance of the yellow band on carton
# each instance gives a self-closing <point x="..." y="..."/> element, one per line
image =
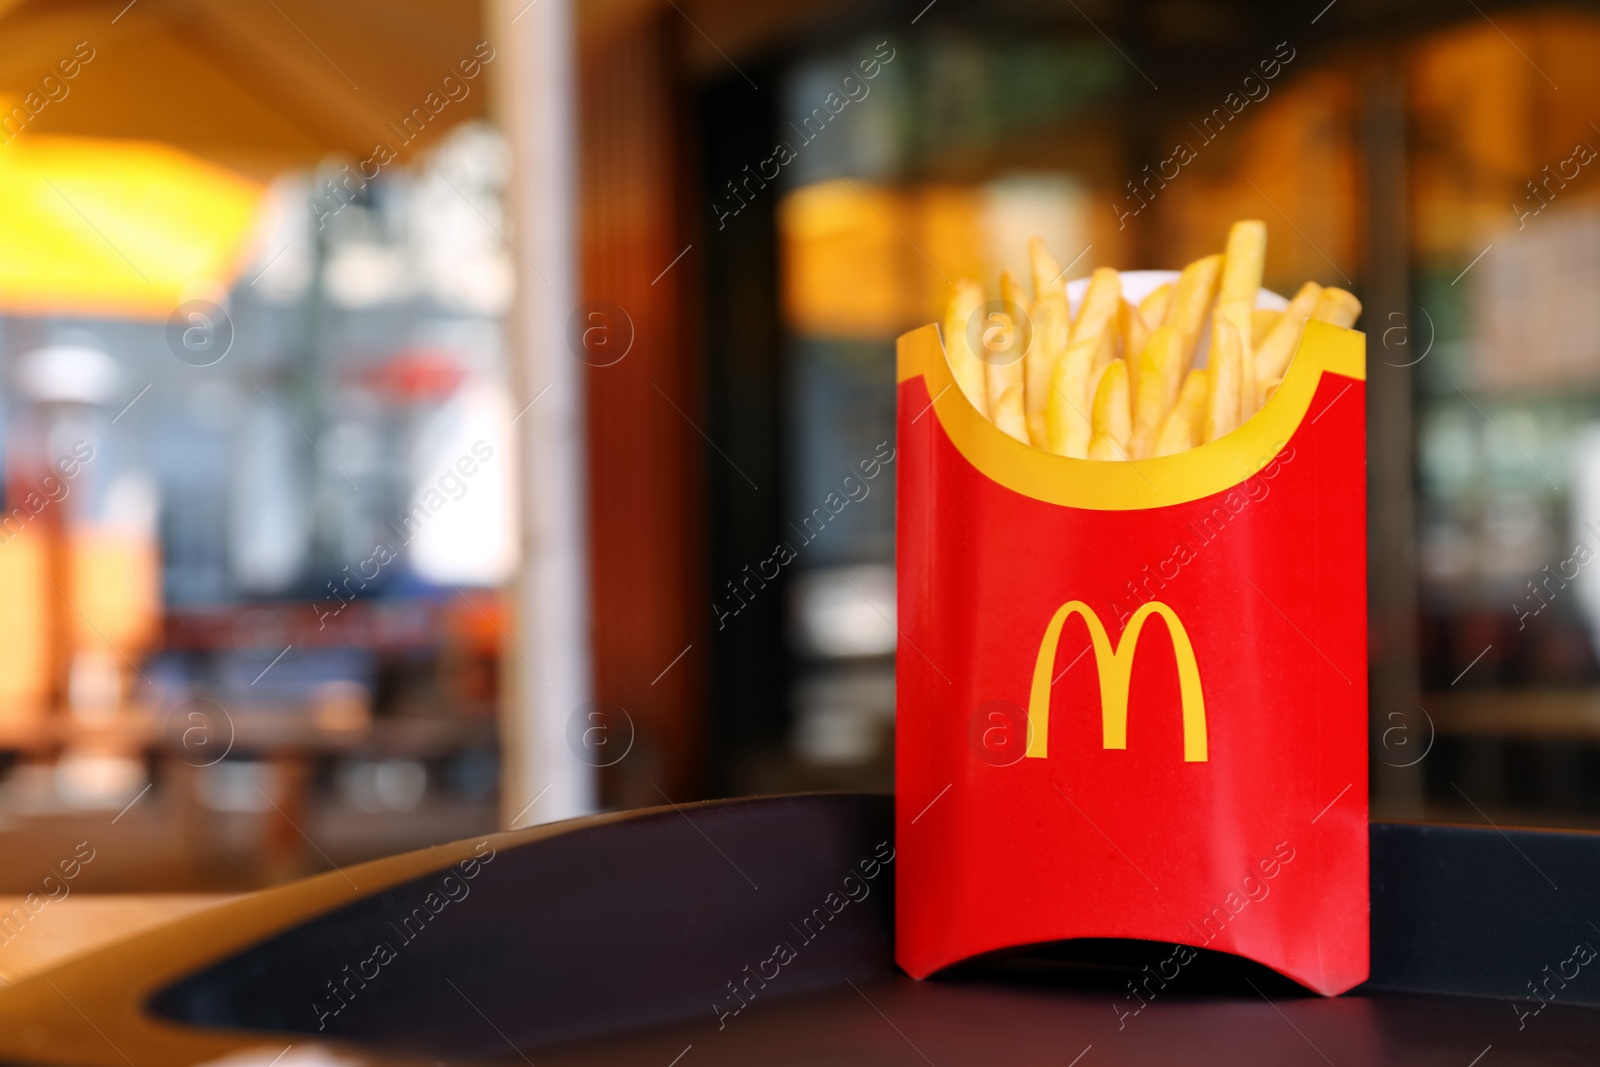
<point x="1129" y="484"/>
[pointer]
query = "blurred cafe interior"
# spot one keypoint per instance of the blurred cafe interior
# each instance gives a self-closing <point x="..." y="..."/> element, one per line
<point x="400" y="404"/>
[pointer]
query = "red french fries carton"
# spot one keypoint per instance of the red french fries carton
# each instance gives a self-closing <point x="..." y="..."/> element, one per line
<point x="1132" y="696"/>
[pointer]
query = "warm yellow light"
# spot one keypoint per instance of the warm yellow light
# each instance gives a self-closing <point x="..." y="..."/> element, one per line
<point x="116" y="228"/>
<point x="844" y="271"/>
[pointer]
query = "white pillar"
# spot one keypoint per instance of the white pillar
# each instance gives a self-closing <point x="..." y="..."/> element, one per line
<point x="548" y="672"/>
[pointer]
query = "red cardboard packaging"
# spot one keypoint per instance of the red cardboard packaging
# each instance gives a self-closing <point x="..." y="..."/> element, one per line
<point x="1132" y="696"/>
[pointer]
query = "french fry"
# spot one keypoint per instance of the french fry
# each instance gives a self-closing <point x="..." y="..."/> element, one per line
<point x="1067" y="428"/>
<point x="1160" y="376"/>
<point x="1135" y="329"/>
<point x="1191" y="300"/>
<point x="1010" y="291"/>
<point x="1090" y="349"/>
<point x="1101" y="302"/>
<point x="1104" y="357"/>
<point x="1238" y="316"/>
<point x="1243" y="262"/>
<point x="1099" y="320"/>
<point x="1002" y="363"/>
<point x="1038" y="431"/>
<point x="1222" y="379"/>
<point x="1268" y="389"/>
<point x="1112" y="422"/>
<point x="1072" y="389"/>
<point x="966" y="297"/>
<point x="1262" y="320"/>
<point x="1181" y="431"/>
<point x="1277" y="348"/>
<point x="1046" y="271"/>
<point x="1104" y="353"/>
<point x="1242" y="266"/>
<point x="1134" y="334"/>
<point x="1338" y="307"/>
<point x="1154" y="306"/>
<point x="1052" y="324"/>
<point x="1009" y="414"/>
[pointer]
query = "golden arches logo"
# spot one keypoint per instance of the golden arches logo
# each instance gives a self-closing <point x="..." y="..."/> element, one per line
<point x="1115" y="665"/>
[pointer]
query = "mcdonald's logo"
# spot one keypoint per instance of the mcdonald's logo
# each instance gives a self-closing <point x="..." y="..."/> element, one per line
<point x="1115" y="665"/>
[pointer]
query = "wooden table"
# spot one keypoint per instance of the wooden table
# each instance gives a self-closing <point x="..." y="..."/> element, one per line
<point x="81" y="923"/>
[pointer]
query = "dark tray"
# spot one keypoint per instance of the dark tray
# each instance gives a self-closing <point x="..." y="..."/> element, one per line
<point x="760" y="931"/>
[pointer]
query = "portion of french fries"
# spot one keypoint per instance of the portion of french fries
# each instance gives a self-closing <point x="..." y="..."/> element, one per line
<point x="1117" y="381"/>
